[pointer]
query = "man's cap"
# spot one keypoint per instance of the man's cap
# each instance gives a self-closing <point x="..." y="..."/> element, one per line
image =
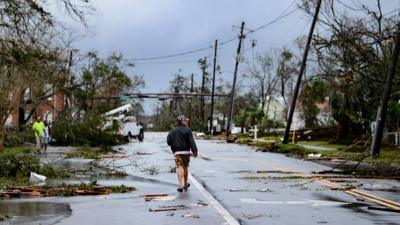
<point x="182" y="118"/>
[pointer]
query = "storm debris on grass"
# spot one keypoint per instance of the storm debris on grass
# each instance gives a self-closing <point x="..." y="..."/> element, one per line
<point x="271" y="178"/>
<point x="386" y="164"/>
<point x="275" y="171"/>
<point x="63" y="190"/>
<point x="114" y="173"/>
<point x="86" y="152"/>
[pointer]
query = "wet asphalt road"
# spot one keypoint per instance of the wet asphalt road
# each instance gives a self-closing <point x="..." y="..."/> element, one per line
<point x="228" y="172"/>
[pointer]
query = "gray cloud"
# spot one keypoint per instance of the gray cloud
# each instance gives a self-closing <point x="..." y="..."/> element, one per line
<point x="142" y="28"/>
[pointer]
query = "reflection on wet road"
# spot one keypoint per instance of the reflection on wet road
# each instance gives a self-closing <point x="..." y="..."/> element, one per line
<point x="35" y="212"/>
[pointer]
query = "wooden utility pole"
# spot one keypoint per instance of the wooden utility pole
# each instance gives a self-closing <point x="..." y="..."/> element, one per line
<point x="381" y="117"/>
<point x="302" y="68"/>
<point x="191" y="101"/>
<point x="68" y="98"/>
<point x="213" y="88"/>
<point x="203" y="80"/>
<point x="237" y="59"/>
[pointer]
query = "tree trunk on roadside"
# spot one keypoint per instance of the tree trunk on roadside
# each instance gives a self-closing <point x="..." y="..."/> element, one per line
<point x="342" y="129"/>
<point x="2" y="137"/>
<point x="3" y="121"/>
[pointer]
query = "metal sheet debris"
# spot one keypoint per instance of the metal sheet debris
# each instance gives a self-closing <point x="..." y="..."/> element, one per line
<point x="191" y="215"/>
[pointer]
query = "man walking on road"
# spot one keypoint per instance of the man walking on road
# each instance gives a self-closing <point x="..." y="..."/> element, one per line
<point x="38" y="129"/>
<point x="181" y="141"/>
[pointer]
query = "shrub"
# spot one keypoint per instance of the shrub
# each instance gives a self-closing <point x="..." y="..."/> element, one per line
<point x="17" y="163"/>
<point x="86" y="132"/>
<point x="15" y="138"/>
<point x="20" y="162"/>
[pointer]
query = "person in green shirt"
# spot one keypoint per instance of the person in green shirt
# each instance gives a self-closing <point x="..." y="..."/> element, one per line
<point x="38" y="129"/>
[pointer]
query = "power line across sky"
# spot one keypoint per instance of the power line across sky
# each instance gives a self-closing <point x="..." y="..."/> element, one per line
<point x="283" y="15"/>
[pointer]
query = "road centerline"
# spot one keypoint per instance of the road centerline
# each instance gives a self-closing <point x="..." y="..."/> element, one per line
<point x="214" y="202"/>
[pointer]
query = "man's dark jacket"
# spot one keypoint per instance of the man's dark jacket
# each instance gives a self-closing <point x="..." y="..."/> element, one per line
<point x="181" y="139"/>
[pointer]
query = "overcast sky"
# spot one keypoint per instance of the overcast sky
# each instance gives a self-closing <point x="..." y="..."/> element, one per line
<point x="147" y="28"/>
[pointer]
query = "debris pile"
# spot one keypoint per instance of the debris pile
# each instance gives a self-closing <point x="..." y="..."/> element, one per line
<point x="62" y="190"/>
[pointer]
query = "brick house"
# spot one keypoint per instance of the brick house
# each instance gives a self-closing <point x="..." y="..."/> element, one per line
<point x="49" y="110"/>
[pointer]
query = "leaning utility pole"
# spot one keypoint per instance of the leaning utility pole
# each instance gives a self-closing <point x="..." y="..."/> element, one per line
<point x="191" y="101"/>
<point x="380" y="119"/>
<point x="302" y="68"/>
<point x="213" y="88"/>
<point x="203" y="68"/>
<point x="237" y="58"/>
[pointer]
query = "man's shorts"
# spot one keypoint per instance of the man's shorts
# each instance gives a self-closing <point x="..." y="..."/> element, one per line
<point x="182" y="160"/>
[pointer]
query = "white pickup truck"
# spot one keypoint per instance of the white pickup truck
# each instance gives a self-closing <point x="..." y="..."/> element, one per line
<point x="131" y="129"/>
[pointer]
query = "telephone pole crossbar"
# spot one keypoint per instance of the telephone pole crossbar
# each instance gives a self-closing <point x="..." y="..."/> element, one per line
<point x="161" y="95"/>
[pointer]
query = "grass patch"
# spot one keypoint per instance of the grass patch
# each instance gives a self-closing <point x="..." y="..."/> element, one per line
<point x="121" y="189"/>
<point x="6" y="183"/>
<point x="17" y="150"/>
<point x="272" y="138"/>
<point x="264" y="145"/>
<point x="116" y="173"/>
<point x="292" y="149"/>
<point x="387" y="156"/>
<point x="215" y="136"/>
<point x="87" y="152"/>
<point x="244" y="140"/>
<point x="325" y="144"/>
